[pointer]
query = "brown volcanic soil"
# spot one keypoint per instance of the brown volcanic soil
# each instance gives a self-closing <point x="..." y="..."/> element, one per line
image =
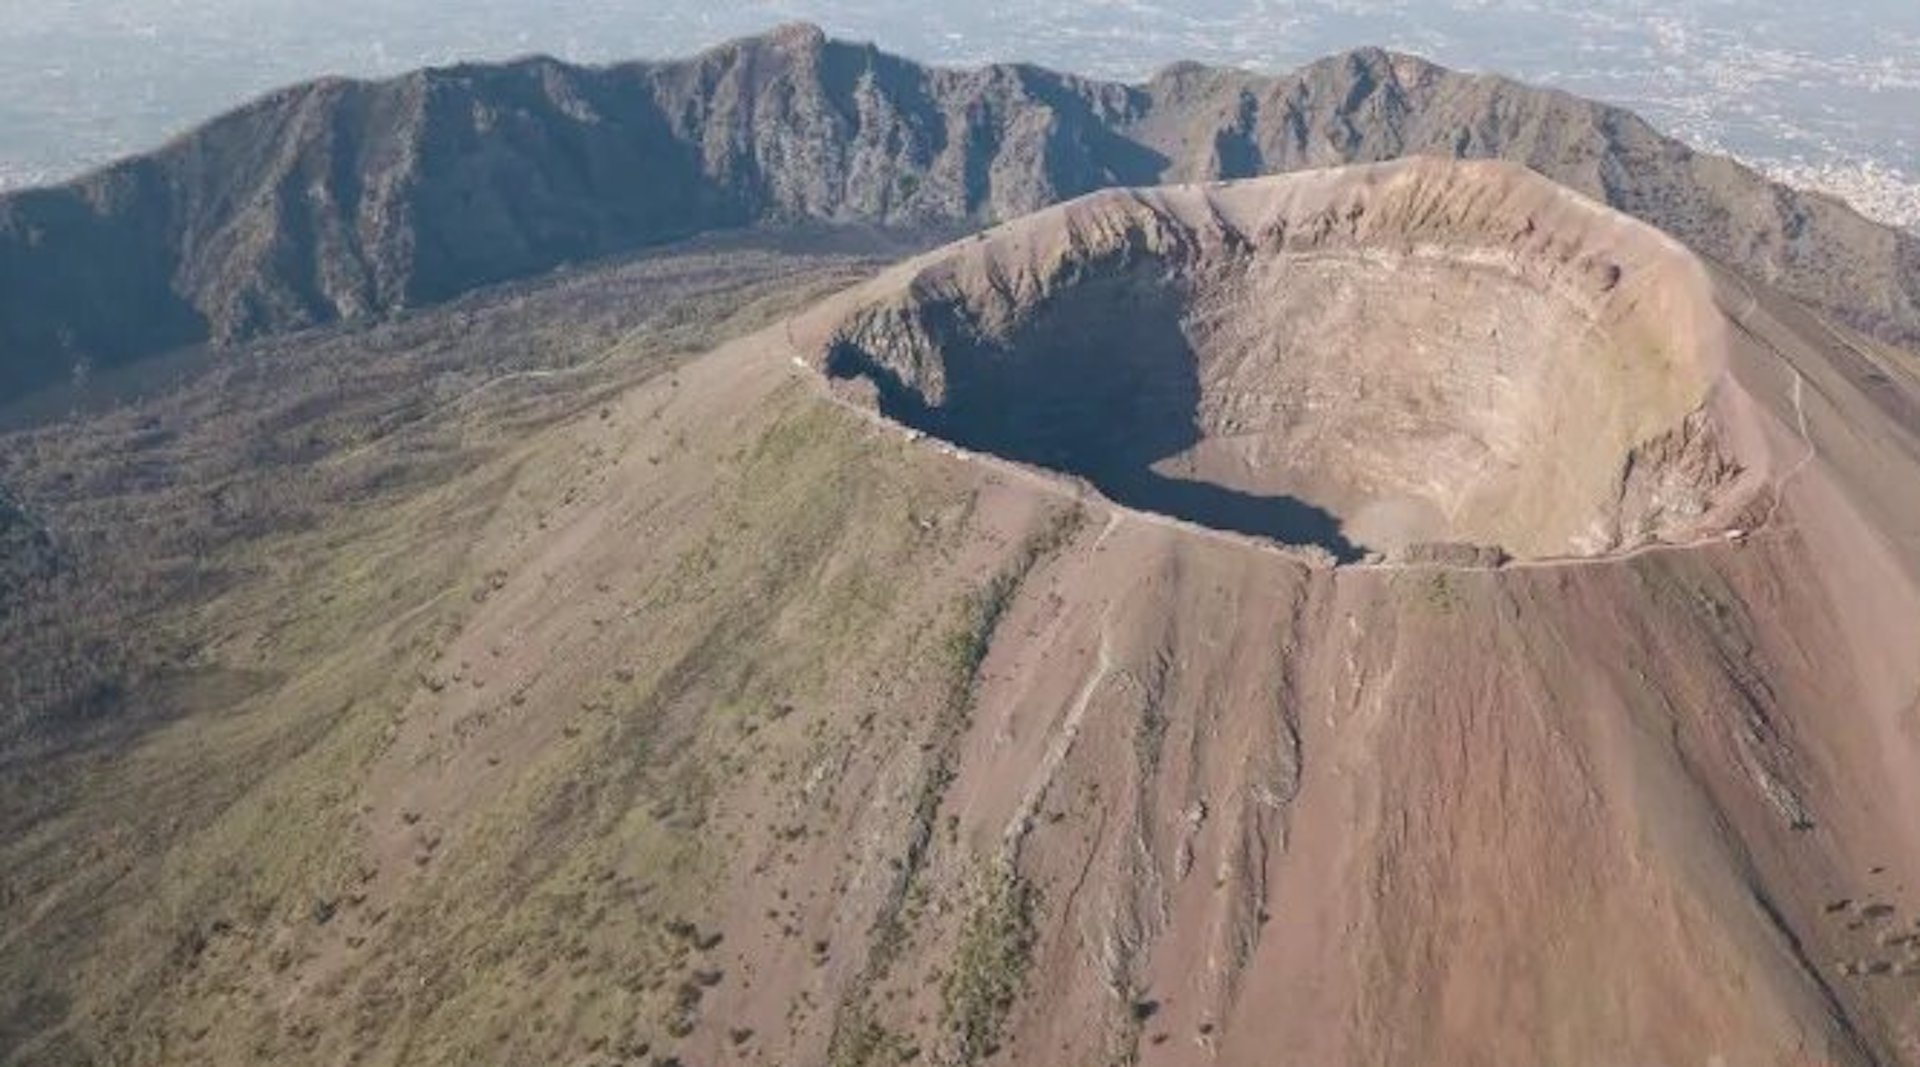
<point x="739" y="725"/>
<point x="1644" y="804"/>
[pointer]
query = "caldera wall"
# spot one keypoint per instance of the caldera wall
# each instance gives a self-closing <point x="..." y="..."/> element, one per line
<point x="1367" y="359"/>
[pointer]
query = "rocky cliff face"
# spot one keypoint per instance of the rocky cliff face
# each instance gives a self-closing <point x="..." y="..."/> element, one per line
<point x="341" y="199"/>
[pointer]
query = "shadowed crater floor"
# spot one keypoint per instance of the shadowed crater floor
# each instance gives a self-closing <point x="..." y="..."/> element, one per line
<point x="1108" y="389"/>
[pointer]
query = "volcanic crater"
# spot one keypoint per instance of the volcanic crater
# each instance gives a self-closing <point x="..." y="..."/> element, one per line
<point x="1409" y="360"/>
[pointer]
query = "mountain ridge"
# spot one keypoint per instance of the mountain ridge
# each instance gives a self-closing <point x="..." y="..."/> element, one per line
<point x="341" y="199"/>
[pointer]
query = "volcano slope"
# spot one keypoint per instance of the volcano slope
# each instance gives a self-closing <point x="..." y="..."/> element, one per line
<point x="1636" y="793"/>
<point x="1399" y="614"/>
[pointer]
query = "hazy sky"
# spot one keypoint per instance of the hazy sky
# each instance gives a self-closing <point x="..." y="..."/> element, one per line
<point x="82" y="81"/>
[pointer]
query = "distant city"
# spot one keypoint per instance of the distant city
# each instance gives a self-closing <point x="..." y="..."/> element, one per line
<point x="1824" y="96"/>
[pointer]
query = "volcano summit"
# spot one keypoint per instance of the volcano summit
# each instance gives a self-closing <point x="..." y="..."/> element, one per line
<point x="1366" y="360"/>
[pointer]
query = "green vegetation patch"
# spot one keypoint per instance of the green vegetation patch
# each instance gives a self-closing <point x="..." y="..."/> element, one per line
<point x="860" y="1041"/>
<point x="980" y="612"/>
<point x="990" y="964"/>
<point x="1440" y="592"/>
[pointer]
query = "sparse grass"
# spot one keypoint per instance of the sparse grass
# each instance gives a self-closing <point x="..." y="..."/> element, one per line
<point x="966" y="645"/>
<point x="859" y="1041"/>
<point x="1440" y="593"/>
<point x="990" y="964"/>
<point x="962" y="650"/>
<point x="299" y="546"/>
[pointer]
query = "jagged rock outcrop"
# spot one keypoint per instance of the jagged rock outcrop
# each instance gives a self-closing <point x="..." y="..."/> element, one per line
<point x="339" y="199"/>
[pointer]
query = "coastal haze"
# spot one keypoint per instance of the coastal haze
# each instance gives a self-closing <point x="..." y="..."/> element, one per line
<point x="1814" y="95"/>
